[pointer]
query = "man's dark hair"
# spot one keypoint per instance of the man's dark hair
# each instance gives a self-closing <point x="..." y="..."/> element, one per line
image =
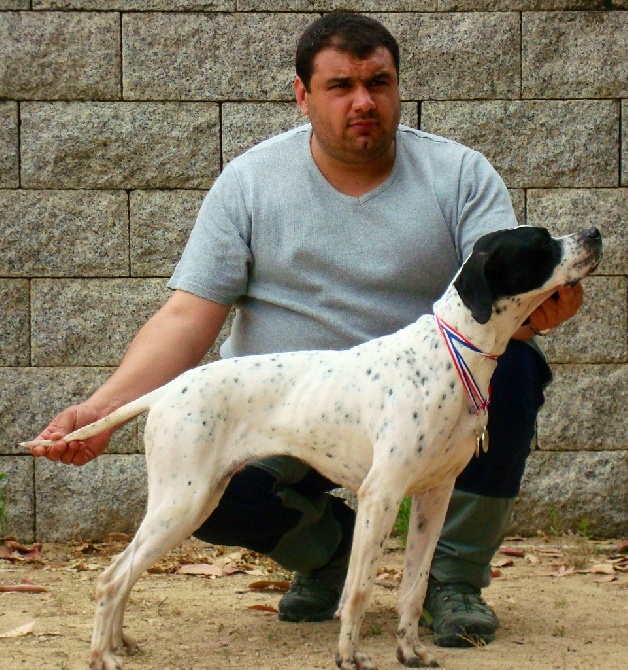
<point x="354" y="34"/>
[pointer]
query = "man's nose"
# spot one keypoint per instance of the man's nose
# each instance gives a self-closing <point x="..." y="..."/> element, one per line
<point x="363" y="100"/>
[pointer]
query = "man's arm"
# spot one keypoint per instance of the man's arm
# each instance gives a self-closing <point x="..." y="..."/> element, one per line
<point x="175" y="339"/>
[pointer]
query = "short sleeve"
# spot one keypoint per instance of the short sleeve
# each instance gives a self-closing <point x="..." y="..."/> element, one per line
<point x="484" y="204"/>
<point x="217" y="257"/>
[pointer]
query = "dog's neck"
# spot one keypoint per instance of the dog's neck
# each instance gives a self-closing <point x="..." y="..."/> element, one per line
<point x="507" y="317"/>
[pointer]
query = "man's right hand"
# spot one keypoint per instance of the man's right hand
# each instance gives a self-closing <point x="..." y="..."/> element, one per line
<point x="77" y="452"/>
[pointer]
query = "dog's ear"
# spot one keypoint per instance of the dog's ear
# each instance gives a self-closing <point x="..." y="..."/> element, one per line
<point x="473" y="287"/>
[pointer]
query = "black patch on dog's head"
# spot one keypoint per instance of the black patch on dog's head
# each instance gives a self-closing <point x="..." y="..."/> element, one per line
<point x="506" y="263"/>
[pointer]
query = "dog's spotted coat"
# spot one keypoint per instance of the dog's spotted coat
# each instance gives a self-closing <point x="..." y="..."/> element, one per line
<point x="386" y="419"/>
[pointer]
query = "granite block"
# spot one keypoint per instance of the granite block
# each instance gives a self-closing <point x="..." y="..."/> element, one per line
<point x="63" y="233"/>
<point x="161" y="222"/>
<point x="99" y="318"/>
<point x="624" y="144"/>
<point x="14" y="4"/>
<point x="59" y="55"/>
<point x="106" y="495"/>
<point x="19" y="497"/>
<point x="119" y="145"/>
<point x="14" y="325"/>
<point x="419" y="5"/>
<point x="210" y="56"/>
<point x="585" y="409"/>
<point x="597" y="334"/>
<point x="244" y="124"/>
<point x="468" y="55"/>
<point x="565" y="211"/>
<point x="575" y="54"/>
<point x="575" y="489"/>
<point x="571" y="143"/>
<point x="9" y="177"/>
<point x="518" y="198"/>
<point x="31" y="397"/>
<point x="140" y="5"/>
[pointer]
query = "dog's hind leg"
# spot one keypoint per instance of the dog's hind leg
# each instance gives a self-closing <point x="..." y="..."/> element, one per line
<point x="171" y="517"/>
<point x="377" y="510"/>
<point x="426" y="521"/>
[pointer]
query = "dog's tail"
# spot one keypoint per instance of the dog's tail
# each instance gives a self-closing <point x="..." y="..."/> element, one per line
<point x="117" y="417"/>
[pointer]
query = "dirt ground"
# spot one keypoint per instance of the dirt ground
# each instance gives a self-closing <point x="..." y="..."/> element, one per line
<point x="562" y="603"/>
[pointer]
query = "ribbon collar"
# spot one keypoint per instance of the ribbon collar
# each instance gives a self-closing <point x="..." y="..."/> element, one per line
<point x="454" y="341"/>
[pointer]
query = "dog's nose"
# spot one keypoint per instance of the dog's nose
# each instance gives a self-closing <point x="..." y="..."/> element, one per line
<point x="593" y="233"/>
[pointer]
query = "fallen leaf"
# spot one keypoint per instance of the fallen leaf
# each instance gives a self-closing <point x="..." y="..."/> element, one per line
<point x="512" y="551"/>
<point x="551" y="552"/>
<point x="22" y="548"/>
<point x="605" y="579"/>
<point x="622" y="546"/>
<point x="263" y="608"/>
<point x="502" y="563"/>
<point x="495" y="573"/>
<point x="24" y="587"/>
<point x="20" y="631"/>
<point x="86" y="567"/>
<point x="255" y="572"/>
<point x="602" y="569"/>
<point x="269" y="585"/>
<point x="561" y="572"/>
<point x="207" y="569"/>
<point x="117" y="537"/>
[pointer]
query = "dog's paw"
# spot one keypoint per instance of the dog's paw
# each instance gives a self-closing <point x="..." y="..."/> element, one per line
<point x="358" y="661"/>
<point x="417" y="657"/>
<point x="105" y="661"/>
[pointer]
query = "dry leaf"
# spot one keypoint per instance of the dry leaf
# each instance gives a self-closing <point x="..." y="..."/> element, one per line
<point x="25" y="587"/>
<point x="502" y="563"/>
<point x="602" y="569"/>
<point x="263" y="608"/>
<point x="512" y="551"/>
<point x="496" y="573"/>
<point x="20" y="631"/>
<point x="551" y="552"/>
<point x="269" y="585"/>
<point x="207" y="569"/>
<point x="605" y="579"/>
<point x="622" y="546"/>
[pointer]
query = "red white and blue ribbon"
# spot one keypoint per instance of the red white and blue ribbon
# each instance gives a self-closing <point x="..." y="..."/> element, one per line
<point x="454" y="340"/>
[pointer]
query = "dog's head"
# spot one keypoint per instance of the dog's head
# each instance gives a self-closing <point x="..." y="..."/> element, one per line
<point x="523" y="260"/>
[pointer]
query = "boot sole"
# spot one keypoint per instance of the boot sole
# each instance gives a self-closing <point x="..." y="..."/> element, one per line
<point x="308" y="618"/>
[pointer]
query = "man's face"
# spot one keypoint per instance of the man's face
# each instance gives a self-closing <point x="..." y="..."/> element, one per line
<point x="353" y="104"/>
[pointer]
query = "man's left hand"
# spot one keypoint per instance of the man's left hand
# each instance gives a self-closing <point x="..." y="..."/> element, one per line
<point x="559" y="307"/>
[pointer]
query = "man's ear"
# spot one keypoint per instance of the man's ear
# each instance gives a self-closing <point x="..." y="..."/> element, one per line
<point x="473" y="287"/>
<point x="300" y="93"/>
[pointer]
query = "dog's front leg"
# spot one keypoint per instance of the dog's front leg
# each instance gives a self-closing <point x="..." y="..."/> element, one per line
<point x="377" y="511"/>
<point x="426" y="522"/>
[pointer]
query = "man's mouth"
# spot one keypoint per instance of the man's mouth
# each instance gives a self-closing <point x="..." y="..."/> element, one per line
<point x="363" y="124"/>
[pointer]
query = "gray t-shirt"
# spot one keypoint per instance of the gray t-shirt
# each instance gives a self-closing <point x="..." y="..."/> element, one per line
<point x="308" y="267"/>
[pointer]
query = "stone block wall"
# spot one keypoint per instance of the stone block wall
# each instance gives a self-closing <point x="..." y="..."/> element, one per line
<point x="116" y="117"/>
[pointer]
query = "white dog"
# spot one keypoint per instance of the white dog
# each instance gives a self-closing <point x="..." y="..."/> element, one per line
<point x="399" y="415"/>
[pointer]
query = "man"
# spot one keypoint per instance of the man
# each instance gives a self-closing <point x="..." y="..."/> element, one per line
<point x="323" y="237"/>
